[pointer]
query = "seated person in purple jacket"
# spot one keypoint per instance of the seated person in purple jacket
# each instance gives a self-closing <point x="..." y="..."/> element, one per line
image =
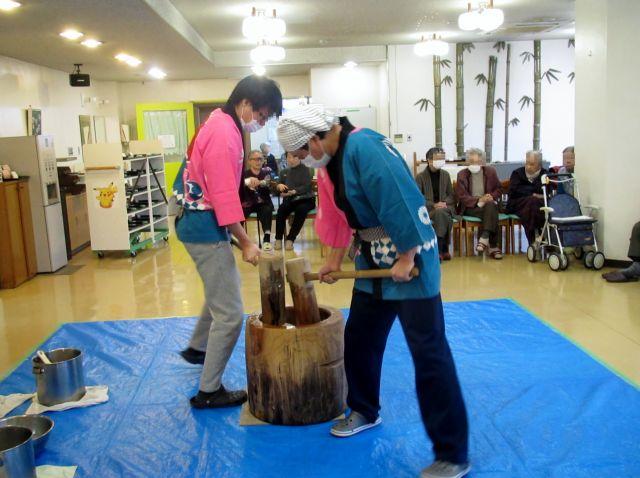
<point x="256" y="195"/>
<point x="525" y="194"/>
<point x="478" y="190"/>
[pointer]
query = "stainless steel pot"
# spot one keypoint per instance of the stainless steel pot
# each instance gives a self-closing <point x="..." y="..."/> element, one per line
<point x="62" y="380"/>
<point x="40" y="426"/>
<point x="16" y="453"/>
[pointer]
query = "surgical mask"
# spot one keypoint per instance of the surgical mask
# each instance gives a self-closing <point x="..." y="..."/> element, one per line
<point x="475" y="168"/>
<point x="438" y="163"/>
<point x="250" y="127"/>
<point x="312" y="162"/>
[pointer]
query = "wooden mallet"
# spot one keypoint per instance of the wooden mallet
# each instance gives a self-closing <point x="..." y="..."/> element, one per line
<point x="361" y="274"/>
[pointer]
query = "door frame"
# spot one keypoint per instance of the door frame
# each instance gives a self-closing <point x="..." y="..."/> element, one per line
<point x="171" y="168"/>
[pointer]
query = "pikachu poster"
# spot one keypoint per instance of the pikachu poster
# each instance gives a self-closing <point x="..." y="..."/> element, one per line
<point x="106" y="195"/>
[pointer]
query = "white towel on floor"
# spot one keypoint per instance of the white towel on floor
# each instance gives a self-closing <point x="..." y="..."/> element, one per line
<point x="9" y="402"/>
<point x="49" y="471"/>
<point x="95" y="395"/>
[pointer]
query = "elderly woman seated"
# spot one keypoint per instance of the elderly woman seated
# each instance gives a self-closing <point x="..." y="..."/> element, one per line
<point x="435" y="185"/>
<point x="478" y="190"/>
<point x="525" y="194"/>
<point x="256" y="195"/>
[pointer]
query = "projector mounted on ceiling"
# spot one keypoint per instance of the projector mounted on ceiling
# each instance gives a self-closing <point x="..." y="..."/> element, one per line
<point x="79" y="79"/>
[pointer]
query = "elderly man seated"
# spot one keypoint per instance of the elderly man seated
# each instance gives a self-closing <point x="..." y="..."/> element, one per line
<point x="435" y="185"/>
<point x="478" y="190"/>
<point x="568" y="164"/>
<point x="525" y="194"/>
<point x="631" y="273"/>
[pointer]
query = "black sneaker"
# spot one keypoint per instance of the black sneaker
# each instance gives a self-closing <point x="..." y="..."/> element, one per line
<point x="221" y="398"/>
<point x="193" y="356"/>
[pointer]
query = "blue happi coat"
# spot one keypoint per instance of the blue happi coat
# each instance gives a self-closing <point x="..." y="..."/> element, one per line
<point x="380" y="191"/>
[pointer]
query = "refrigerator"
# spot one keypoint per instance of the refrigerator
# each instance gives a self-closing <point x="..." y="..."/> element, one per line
<point x="35" y="156"/>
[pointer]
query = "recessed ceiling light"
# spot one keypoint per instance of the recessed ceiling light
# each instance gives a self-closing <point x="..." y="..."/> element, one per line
<point x="258" y="70"/>
<point x="157" y="73"/>
<point x="92" y="43"/>
<point x="71" y="34"/>
<point x="8" y="5"/>
<point x="132" y="61"/>
<point x="350" y="64"/>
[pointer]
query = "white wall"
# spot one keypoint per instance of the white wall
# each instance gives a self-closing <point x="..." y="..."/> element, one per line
<point x="353" y="87"/>
<point x="24" y="84"/>
<point x="411" y="78"/>
<point x="192" y="90"/>
<point x="607" y="120"/>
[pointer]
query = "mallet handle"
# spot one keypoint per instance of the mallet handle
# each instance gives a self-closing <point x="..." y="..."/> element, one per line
<point x="362" y="274"/>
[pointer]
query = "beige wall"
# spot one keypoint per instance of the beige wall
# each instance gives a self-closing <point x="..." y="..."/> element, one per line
<point x="24" y="84"/>
<point x="607" y="120"/>
<point x="191" y="90"/>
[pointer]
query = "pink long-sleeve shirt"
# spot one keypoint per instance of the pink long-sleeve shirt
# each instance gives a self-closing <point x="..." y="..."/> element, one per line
<point x="215" y="166"/>
<point x="331" y="223"/>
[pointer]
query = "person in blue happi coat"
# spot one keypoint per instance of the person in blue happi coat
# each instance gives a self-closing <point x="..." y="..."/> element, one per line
<point x="365" y="185"/>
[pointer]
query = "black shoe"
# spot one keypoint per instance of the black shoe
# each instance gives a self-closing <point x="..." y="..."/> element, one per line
<point x="193" y="356"/>
<point x="221" y="398"/>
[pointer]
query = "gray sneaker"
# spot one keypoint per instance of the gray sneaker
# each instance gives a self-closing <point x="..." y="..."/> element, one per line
<point x="354" y="423"/>
<point x="444" y="469"/>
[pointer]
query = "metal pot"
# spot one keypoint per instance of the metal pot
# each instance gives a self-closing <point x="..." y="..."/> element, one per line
<point x="16" y="453"/>
<point x="39" y="425"/>
<point x="62" y="380"/>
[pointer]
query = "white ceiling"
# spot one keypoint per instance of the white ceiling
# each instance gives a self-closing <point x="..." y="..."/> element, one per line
<point x="192" y="39"/>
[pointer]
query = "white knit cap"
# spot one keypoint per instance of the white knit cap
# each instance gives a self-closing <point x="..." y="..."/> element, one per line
<point x="298" y="126"/>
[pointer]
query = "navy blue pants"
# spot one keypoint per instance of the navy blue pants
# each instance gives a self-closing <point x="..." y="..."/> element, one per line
<point x="441" y="404"/>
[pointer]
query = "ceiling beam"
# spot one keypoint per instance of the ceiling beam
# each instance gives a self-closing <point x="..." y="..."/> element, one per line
<point x="172" y="16"/>
<point x="309" y="56"/>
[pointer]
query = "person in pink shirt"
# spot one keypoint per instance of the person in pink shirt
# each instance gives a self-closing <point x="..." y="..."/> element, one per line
<point x="208" y="190"/>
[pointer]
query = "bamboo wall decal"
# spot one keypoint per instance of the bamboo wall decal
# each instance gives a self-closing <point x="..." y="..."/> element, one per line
<point x="459" y="100"/>
<point x="437" y="99"/>
<point x="506" y="106"/>
<point x="491" y="94"/>
<point x="424" y="103"/>
<point x="460" y="125"/>
<point x="537" y="93"/>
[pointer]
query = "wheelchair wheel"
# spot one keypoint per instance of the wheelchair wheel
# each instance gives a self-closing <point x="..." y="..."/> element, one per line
<point x="598" y="261"/>
<point x="588" y="259"/>
<point x="532" y="254"/>
<point x="564" y="262"/>
<point x="578" y="253"/>
<point x="555" y="263"/>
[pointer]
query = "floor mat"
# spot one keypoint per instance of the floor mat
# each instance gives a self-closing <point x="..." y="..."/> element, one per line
<point x="538" y="407"/>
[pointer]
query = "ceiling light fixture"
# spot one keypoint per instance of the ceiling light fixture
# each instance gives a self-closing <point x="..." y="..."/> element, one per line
<point x="261" y="26"/>
<point x="258" y="70"/>
<point x="432" y="46"/>
<point x="132" y="61"/>
<point x="157" y="73"/>
<point x="350" y="64"/>
<point x="486" y="17"/>
<point x="92" y="43"/>
<point x="71" y="34"/>
<point x="266" y="52"/>
<point x="8" y="5"/>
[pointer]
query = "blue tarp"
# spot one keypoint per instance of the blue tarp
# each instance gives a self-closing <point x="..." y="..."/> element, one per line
<point x="538" y="407"/>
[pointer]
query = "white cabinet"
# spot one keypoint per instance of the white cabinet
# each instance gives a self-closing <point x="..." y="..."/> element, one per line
<point x="126" y="198"/>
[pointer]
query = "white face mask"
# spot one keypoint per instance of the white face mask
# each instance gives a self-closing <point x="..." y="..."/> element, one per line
<point x="312" y="162"/>
<point x="438" y="163"/>
<point x="475" y="168"/>
<point x="250" y="127"/>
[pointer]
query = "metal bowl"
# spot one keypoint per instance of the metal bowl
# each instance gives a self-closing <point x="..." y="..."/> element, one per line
<point x="39" y="425"/>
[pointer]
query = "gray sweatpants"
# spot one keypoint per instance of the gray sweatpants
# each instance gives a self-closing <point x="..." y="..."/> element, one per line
<point x="221" y="319"/>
